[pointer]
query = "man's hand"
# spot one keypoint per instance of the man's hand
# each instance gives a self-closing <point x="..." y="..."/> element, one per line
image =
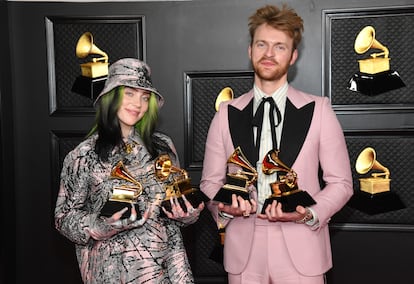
<point x="239" y="206"/>
<point x="274" y="213"/>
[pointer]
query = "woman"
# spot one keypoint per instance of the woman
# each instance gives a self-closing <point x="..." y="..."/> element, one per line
<point x="116" y="249"/>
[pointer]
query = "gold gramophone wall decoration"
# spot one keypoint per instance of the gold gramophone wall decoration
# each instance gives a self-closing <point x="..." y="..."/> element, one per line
<point x="374" y="76"/>
<point x="85" y="47"/>
<point x="237" y="182"/>
<point x="180" y="186"/>
<point x="225" y="94"/>
<point x="374" y="196"/>
<point x="377" y="62"/>
<point x="379" y="181"/>
<point x="285" y="189"/>
<point x="122" y="195"/>
<point x="94" y="72"/>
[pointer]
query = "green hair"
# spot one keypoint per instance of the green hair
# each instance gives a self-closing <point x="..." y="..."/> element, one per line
<point x="147" y="124"/>
<point x="108" y="128"/>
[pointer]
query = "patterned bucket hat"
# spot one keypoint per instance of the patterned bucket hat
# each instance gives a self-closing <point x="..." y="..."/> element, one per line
<point x="132" y="73"/>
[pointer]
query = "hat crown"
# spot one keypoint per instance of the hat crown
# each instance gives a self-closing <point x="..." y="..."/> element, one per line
<point x="130" y="72"/>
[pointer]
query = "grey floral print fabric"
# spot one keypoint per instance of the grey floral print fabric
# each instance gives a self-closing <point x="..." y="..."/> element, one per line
<point x="151" y="253"/>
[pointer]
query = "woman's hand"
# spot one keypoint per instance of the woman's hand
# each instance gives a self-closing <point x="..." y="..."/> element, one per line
<point x="128" y="223"/>
<point x="177" y="212"/>
<point x="102" y="229"/>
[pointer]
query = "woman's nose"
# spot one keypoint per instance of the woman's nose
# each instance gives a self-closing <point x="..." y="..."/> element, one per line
<point x="136" y="101"/>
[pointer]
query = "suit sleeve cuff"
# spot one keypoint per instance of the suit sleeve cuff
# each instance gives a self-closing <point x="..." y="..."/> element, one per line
<point x="314" y="222"/>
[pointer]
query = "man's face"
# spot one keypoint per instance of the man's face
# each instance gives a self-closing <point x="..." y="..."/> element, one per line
<point x="271" y="53"/>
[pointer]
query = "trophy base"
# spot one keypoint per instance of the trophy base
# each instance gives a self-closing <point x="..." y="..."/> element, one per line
<point x="376" y="203"/>
<point x="89" y="87"/>
<point x="374" y="84"/>
<point x="195" y="197"/>
<point x="224" y="195"/>
<point x="112" y="207"/>
<point x="289" y="202"/>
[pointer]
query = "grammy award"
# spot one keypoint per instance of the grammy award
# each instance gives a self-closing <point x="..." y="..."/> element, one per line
<point x="179" y="187"/>
<point x="239" y="181"/>
<point x="284" y="190"/>
<point x="374" y="195"/>
<point x="379" y="181"/>
<point x="374" y="76"/>
<point x="94" y="73"/>
<point x="122" y="195"/>
<point x="225" y="94"/>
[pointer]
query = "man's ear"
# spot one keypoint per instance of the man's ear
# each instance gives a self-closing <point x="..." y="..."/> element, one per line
<point x="294" y="57"/>
<point x="249" y="50"/>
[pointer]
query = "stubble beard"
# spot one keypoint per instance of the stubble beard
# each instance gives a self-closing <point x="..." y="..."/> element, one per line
<point x="267" y="75"/>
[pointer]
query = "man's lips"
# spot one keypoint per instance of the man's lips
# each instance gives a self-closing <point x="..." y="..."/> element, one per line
<point x="268" y="63"/>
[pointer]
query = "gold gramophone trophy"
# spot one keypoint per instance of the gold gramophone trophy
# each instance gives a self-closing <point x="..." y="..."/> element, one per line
<point x="179" y="187"/>
<point x="374" y="195"/>
<point x="374" y="76"/>
<point x="284" y="190"/>
<point x="94" y="73"/>
<point x="239" y="181"/>
<point x="122" y="195"/>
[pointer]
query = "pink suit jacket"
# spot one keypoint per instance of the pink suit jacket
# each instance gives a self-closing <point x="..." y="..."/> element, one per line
<point x="311" y="137"/>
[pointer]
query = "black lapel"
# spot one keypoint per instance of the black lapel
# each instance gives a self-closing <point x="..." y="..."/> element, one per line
<point x="295" y="128"/>
<point x="241" y="130"/>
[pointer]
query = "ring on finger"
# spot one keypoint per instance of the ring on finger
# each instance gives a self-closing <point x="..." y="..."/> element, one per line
<point x="246" y="214"/>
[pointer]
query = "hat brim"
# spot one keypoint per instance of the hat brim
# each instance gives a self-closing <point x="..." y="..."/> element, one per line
<point x="108" y="88"/>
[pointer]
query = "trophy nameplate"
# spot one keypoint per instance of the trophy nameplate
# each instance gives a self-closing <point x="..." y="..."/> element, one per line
<point x="123" y="195"/>
<point x="237" y="183"/>
<point x="179" y="187"/>
<point x="284" y="190"/>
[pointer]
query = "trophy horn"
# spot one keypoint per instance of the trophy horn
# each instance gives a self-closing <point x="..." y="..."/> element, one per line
<point x="367" y="161"/>
<point x="85" y="47"/>
<point x="225" y="94"/>
<point x="120" y="172"/>
<point x="366" y="40"/>
<point x="271" y="163"/>
<point x="164" y="167"/>
<point x="238" y="158"/>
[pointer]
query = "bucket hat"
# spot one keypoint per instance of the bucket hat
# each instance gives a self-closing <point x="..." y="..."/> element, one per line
<point x="130" y="72"/>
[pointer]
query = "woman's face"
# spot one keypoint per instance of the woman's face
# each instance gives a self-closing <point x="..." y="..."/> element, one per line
<point x="133" y="107"/>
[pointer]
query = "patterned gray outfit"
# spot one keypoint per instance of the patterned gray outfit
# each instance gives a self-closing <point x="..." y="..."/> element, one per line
<point x="151" y="253"/>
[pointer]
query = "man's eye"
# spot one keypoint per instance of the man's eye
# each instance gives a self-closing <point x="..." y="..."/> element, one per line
<point x="280" y="47"/>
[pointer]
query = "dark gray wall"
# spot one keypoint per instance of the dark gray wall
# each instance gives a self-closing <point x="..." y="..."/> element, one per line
<point x="184" y="36"/>
<point x="7" y="201"/>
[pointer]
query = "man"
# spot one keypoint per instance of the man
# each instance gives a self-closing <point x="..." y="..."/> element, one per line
<point x="276" y="246"/>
